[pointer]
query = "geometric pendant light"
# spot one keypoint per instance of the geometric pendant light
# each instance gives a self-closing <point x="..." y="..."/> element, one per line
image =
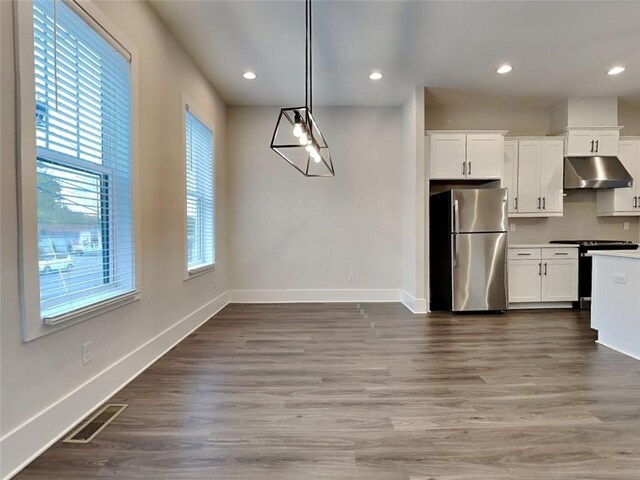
<point x="297" y="137"/>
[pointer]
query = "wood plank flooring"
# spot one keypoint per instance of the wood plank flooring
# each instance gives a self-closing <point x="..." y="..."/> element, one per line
<point x="312" y="391"/>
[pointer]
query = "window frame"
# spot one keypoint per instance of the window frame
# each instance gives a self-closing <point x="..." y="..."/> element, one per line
<point x="187" y="105"/>
<point x="33" y="325"/>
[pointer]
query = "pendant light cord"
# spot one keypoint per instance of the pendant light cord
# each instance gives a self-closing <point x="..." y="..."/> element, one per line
<point x="310" y="60"/>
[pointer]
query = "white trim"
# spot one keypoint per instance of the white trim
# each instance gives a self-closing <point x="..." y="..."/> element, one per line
<point x="32" y="324"/>
<point x="466" y="132"/>
<point x="93" y="310"/>
<point x="24" y="443"/>
<point x="187" y="105"/>
<point x="416" y="305"/>
<point x="635" y="357"/>
<point x="539" y="305"/>
<point x="314" y="296"/>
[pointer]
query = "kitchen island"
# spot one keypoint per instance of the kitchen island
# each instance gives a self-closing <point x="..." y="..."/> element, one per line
<point x="615" y="300"/>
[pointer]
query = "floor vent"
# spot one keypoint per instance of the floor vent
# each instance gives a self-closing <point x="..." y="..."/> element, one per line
<point x="92" y="427"/>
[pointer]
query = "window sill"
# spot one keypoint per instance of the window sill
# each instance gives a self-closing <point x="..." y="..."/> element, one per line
<point x="199" y="271"/>
<point x="93" y="310"/>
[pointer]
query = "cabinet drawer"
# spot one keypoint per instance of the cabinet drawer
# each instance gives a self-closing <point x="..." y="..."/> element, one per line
<point x="559" y="253"/>
<point x="524" y="254"/>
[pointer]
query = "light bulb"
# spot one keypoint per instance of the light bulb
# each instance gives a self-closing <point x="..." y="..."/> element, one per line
<point x="313" y="152"/>
<point x="297" y="130"/>
<point x="303" y="139"/>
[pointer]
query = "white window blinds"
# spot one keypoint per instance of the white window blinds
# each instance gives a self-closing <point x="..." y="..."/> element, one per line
<point x="200" y="208"/>
<point x="83" y="135"/>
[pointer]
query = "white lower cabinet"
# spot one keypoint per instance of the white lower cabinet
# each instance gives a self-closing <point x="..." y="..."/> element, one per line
<point x="524" y="281"/>
<point x="543" y="276"/>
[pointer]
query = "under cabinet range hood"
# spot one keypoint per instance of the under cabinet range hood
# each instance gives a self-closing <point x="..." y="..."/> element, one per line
<point x="595" y="172"/>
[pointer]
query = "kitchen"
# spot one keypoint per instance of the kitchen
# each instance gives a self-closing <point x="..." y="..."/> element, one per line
<point x="567" y="196"/>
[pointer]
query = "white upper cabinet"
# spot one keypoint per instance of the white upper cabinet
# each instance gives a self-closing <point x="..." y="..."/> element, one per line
<point x="552" y="176"/>
<point x="537" y="190"/>
<point x="448" y="153"/>
<point x="510" y="173"/>
<point x="485" y="153"/>
<point x="465" y="155"/>
<point x="624" y="201"/>
<point x="587" y="142"/>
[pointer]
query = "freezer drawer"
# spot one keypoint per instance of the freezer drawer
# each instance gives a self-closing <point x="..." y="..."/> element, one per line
<point x="479" y="278"/>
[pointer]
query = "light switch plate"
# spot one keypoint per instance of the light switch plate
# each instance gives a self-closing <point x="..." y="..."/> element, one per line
<point x="625" y="226"/>
<point x="512" y="227"/>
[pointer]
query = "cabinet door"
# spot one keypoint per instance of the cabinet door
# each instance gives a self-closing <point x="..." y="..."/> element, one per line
<point x="524" y="281"/>
<point x="485" y="155"/>
<point x="529" y="176"/>
<point x="560" y="280"/>
<point x="607" y="142"/>
<point x="579" y="143"/>
<point x="510" y="173"/>
<point x="625" y="198"/>
<point x="447" y="155"/>
<point x="551" y="175"/>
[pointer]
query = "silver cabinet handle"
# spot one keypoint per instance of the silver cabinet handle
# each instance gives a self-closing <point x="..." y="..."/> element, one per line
<point x="523" y="254"/>
<point x="516" y="203"/>
<point x="635" y="202"/>
<point x="544" y="203"/>
<point x="592" y="142"/>
<point x="561" y="253"/>
<point x="469" y="168"/>
<point x="464" y="169"/>
<point x="538" y="203"/>
<point x="597" y="141"/>
<point x="545" y="268"/>
<point x="540" y="269"/>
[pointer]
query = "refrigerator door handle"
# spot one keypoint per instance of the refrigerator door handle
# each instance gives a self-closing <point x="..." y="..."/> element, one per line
<point x="456" y="217"/>
<point x="454" y="252"/>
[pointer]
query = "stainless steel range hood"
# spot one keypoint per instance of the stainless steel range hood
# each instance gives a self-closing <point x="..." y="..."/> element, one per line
<point x="595" y="173"/>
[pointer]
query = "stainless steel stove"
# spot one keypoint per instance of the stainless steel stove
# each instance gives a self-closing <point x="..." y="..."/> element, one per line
<point x="585" y="263"/>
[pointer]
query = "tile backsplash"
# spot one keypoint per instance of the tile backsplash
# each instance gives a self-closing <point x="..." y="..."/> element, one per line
<point x="579" y="222"/>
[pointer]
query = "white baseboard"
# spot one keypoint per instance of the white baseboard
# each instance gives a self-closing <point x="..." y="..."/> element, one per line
<point x="24" y="443"/>
<point x="619" y="350"/>
<point x="416" y="305"/>
<point x="539" y="305"/>
<point x="315" y="296"/>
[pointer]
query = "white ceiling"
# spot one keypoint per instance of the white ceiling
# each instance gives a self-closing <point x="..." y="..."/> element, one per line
<point x="557" y="48"/>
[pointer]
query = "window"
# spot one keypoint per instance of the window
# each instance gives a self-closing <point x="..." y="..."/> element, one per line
<point x="200" y="217"/>
<point x="83" y="162"/>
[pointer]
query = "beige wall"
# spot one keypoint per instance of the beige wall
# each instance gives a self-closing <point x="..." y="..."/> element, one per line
<point x="35" y="375"/>
<point x="629" y="118"/>
<point x="518" y="120"/>
<point x="579" y="220"/>
<point x="295" y="233"/>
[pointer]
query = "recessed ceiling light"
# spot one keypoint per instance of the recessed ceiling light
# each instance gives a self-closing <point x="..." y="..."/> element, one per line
<point x="375" y="76"/>
<point x="504" y="69"/>
<point x="249" y="75"/>
<point x="616" y="70"/>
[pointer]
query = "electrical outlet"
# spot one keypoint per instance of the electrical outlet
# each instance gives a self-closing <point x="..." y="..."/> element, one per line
<point x="512" y="227"/>
<point x="87" y="353"/>
<point x="352" y="278"/>
<point x="619" y="278"/>
<point x="625" y="226"/>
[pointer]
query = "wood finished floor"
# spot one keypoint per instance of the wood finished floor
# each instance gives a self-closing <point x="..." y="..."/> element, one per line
<point x="310" y="391"/>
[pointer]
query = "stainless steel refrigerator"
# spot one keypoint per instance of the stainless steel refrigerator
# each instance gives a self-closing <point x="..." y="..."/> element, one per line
<point x="468" y="250"/>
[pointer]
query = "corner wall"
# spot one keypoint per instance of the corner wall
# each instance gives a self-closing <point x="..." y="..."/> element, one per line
<point x="300" y="239"/>
<point x="44" y="388"/>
